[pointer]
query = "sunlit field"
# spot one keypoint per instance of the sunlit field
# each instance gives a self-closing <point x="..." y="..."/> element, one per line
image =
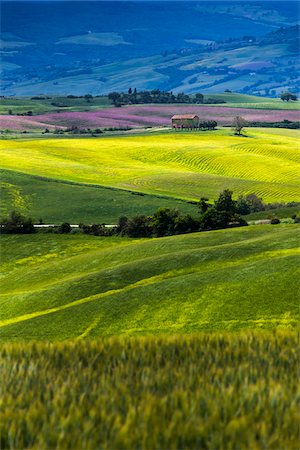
<point x="57" y="287"/>
<point x="181" y="165"/>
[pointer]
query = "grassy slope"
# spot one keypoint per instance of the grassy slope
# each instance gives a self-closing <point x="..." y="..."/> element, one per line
<point x="235" y="391"/>
<point x="182" y="165"/>
<point x="56" y="202"/>
<point x="60" y="287"/>
<point x="281" y="213"/>
<point x="23" y="104"/>
<point x="20" y="105"/>
<point x="251" y="101"/>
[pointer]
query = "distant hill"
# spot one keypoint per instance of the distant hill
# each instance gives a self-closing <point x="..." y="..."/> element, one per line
<point x="97" y="47"/>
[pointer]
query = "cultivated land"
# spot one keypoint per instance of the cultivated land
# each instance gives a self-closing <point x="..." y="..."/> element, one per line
<point x="56" y="201"/>
<point x="206" y="391"/>
<point x="136" y="390"/>
<point x="57" y="287"/>
<point x="178" y="165"/>
<point x="21" y="105"/>
<point x="139" y="116"/>
<point x="99" y="113"/>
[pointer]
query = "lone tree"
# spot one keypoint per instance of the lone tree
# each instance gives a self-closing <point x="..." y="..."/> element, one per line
<point x="287" y="96"/>
<point x="238" y="125"/>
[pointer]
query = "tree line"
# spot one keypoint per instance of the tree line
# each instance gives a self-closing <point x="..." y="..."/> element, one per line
<point x="225" y="212"/>
<point x="158" y="96"/>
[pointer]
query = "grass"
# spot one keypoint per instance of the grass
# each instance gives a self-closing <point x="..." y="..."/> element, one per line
<point x="282" y="213"/>
<point x="180" y="165"/>
<point x="57" y="287"/>
<point x="205" y="391"/>
<point x="58" y="201"/>
<point x="237" y="100"/>
<point x="21" y="105"/>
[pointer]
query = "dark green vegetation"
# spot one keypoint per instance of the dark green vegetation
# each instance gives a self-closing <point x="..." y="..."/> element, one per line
<point x="208" y="391"/>
<point x="57" y="201"/>
<point x="223" y="213"/>
<point x="47" y="104"/>
<point x="133" y="97"/>
<point x="57" y="287"/>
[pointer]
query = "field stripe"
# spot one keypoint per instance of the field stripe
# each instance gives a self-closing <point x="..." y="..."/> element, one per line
<point x="141" y="283"/>
<point x="89" y="329"/>
<point x="163" y="254"/>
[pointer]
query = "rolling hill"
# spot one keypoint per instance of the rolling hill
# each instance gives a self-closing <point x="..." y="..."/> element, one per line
<point x="142" y="116"/>
<point x="11" y="107"/>
<point x="178" y="165"/>
<point x="57" y="287"/>
<point x="56" y="201"/>
<point x="59" y="48"/>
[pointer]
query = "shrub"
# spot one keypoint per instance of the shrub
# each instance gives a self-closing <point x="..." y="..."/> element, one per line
<point x="64" y="228"/>
<point x="275" y="221"/>
<point x="16" y="223"/>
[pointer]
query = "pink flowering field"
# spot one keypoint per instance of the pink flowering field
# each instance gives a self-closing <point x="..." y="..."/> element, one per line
<point x="139" y="116"/>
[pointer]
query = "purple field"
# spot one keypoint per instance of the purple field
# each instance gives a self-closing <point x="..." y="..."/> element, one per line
<point x="139" y="117"/>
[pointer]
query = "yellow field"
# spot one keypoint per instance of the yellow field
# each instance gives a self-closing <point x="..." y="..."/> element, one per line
<point x="185" y="165"/>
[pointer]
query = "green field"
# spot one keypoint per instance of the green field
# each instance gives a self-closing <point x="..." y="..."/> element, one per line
<point x="21" y="105"/>
<point x="57" y="201"/>
<point x="179" y="165"/>
<point x="214" y="392"/>
<point x="236" y="100"/>
<point x="57" y="287"/>
<point x="280" y="213"/>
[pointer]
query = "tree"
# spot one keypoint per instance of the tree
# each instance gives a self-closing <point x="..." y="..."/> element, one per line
<point x="129" y="91"/>
<point x="222" y="214"/>
<point x="199" y="98"/>
<point x="122" y="225"/>
<point x="213" y="219"/>
<point x="255" y="203"/>
<point x="287" y="96"/>
<point x="139" y="226"/>
<point x="163" y="221"/>
<point x="186" y="224"/>
<point x="203" y="205"/>
<point x="225" y="202"/>
<point x="242" y="206"/>
<point x="64" y="228"/>
<point x="17" y="223"/>
<point x="115" y="97"/>
<point x="238" y="124"/>
<point x="88" y="98"/>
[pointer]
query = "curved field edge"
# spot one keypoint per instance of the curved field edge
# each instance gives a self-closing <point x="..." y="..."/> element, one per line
<point x="210" y="391"/>
<point x="58" y="287"/>
<point x="58" y="201"/>
<point x="181" y="165"/>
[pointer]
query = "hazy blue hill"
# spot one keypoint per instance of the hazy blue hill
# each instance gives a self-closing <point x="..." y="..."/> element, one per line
<point x="44" y="43"/>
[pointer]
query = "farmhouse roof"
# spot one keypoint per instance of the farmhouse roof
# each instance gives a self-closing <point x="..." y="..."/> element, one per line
<point x="185" y="116"/>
